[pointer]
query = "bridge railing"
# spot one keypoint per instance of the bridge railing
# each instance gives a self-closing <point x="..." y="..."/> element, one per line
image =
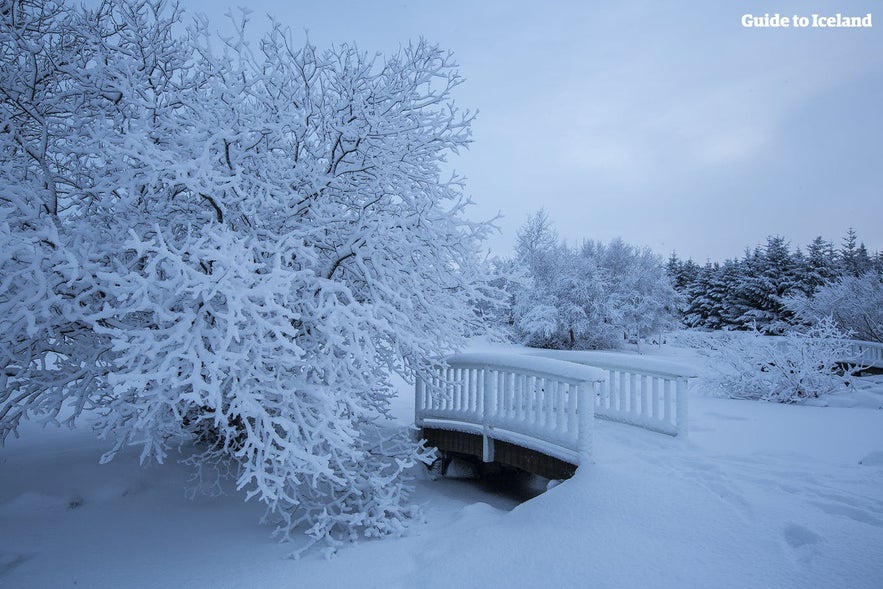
<point x="865" y="354"/>
<point x="538" y="403"/>
<point x="650" y="393"/>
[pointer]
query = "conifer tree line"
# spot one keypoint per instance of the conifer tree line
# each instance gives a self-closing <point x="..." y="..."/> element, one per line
<point x="772" y="288"/>
<point x="603" y="295"/>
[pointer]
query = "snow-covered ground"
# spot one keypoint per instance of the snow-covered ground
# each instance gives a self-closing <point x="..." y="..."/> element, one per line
<point x="760" y="495"/>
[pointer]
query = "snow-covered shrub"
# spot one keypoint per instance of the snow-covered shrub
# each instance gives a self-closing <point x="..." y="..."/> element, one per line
<point x="785" y="369"/>
<point x="854" y="302"/>
<point x="230" y="246"/>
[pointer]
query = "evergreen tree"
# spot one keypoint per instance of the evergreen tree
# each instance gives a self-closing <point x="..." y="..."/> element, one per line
<point x="848" y="254"/>
<point x="673" y="268"/>
<point x="681" y="273"/>
<point x="821" y="265"/>
<point x="697" y="308"/>
<point x="863" y="261"/>
<point x="735" y="294"/>
<point x="770" y="274"/>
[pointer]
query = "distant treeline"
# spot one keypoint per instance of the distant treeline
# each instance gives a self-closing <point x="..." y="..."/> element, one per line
<point x="759" y="290"/>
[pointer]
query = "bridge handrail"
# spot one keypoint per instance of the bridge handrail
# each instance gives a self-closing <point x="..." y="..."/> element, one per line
<point x="621" y="361"/>
<point x="650" y="393"/>
<point x="538" y="365"/>
<point x="540" y="403"/>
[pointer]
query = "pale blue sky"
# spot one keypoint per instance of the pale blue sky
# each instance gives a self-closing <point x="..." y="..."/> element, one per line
<point x="665" y="123"/>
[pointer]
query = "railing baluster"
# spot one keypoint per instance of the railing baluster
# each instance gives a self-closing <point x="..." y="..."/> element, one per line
<point x="608" y="390"/>
<point x="655" y="396"/>
<point x="519" y="397"/>
<point x="572" y="420"/>
<point x="623" y="391"/>
<point x="449" y="388"/>
<point x="474" y="393"/>
<point x="499" y="384"/>
<point x="586" y="408"/>
<point x="560" y="409"/>
<point x="510" y="394"/>
<point x="633" y="393"/>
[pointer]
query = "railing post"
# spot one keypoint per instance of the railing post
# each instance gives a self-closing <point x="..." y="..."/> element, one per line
<point x="586" y="409"/>
<point x="487" y="442"/>
<point x="420" y="404"/>
<point x="681" y="396"/>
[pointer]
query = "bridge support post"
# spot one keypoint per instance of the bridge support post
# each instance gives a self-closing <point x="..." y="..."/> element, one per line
<point x="586" y="410"/>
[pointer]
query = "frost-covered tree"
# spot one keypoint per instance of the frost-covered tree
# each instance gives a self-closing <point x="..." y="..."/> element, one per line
<point x="229" y="243"/>
<point x="596" y="296"/>
<point x="507" y="277"/>
<point x="854" y="303"/>
<point x="646" y="303"/>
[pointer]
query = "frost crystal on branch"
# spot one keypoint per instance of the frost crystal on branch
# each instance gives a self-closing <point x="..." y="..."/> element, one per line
<point x="233" y="245"/>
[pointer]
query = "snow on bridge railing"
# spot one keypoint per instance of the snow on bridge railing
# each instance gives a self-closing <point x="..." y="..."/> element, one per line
<point x="865" y="354"/>
<point x="538" y="403"/>
<point x="650" y="393"/>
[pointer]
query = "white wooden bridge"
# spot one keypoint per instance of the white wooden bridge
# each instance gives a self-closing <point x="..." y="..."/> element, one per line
<point x="535" y="410"/>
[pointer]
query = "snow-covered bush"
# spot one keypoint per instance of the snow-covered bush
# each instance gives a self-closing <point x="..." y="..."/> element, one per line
<point x="854" y="302"/>
<point x="232" y="246"/>
<point x="785" y="369"/>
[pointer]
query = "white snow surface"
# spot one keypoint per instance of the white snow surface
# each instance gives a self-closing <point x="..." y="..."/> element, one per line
<point x="760" y="495"/>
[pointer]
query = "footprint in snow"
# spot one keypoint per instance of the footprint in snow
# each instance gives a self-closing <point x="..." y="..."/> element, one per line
<point x="803" y="542"/>
<point x="798" y="536"/>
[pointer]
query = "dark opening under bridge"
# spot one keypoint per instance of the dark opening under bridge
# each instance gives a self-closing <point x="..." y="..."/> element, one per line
<point x="535" y="410"/>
